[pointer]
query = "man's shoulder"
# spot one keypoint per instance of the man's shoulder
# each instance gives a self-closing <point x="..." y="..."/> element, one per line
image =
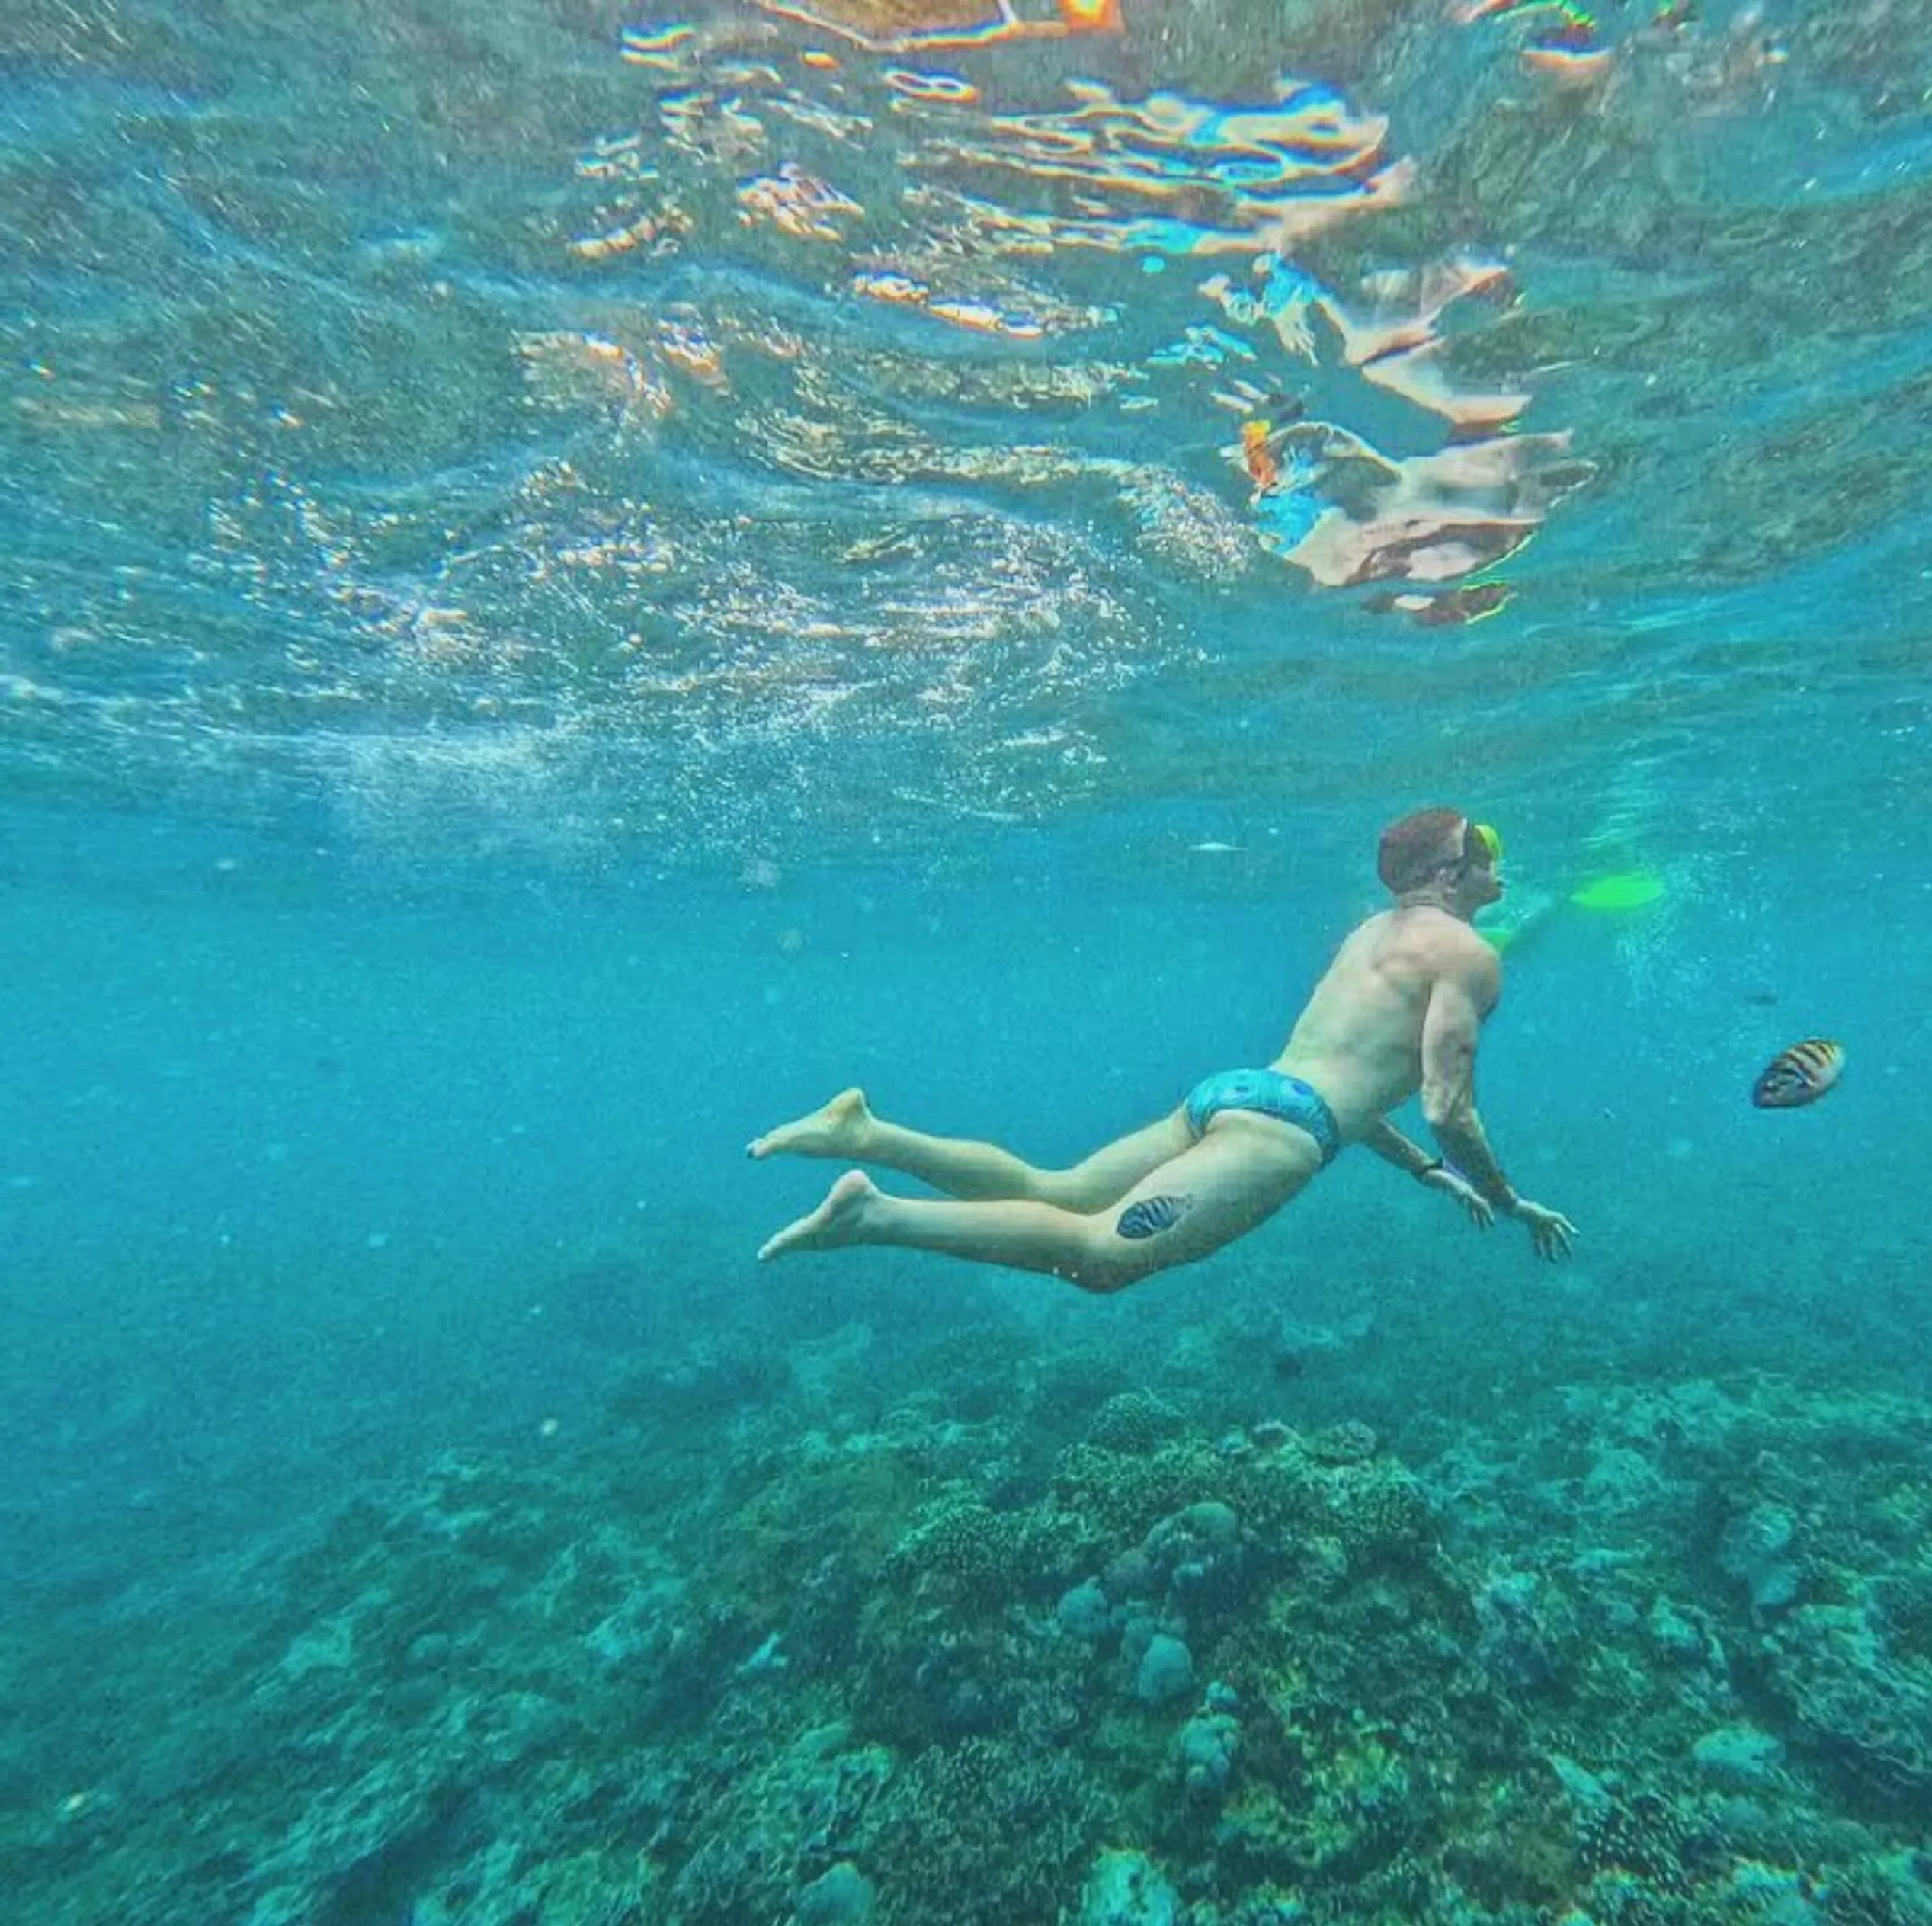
<point x="1447" y="944"/>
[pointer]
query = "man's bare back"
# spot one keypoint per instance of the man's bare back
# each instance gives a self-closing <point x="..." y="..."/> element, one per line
<point x="1359" y="1041"/>
<point x="1397" y="1011"/>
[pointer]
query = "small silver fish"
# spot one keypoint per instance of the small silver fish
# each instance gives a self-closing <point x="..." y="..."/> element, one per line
<point x="1799" y="1075"/>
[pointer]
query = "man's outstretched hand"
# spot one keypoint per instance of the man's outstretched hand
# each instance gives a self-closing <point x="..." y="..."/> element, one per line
<point x="1483" y="1212"/>
<point x="1550" y="1231"/>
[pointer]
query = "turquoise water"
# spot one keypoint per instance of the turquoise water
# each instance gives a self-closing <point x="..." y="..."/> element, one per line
<point x="578" y="580"/>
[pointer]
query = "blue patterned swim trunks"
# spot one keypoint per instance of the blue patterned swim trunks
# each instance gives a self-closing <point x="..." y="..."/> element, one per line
<point x="1269" y="1093"/>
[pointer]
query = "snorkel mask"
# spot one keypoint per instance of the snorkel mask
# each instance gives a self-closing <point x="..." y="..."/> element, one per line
<point x="1482" y="845"/>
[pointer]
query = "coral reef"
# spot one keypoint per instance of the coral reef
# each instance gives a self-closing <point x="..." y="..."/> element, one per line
<point x="1660" y="1656"/>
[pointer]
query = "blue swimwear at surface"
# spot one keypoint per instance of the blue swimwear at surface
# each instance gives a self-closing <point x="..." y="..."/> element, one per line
<point x="1270" y="1093"/>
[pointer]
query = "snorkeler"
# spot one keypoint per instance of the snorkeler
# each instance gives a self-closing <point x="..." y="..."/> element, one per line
<point x="1398" y="1012"/>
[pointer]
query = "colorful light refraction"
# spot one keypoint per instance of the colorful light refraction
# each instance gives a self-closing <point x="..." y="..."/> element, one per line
<point x="900" y="26"/>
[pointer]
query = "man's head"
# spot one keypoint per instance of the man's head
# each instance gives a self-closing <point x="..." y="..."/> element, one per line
<point x="1440" y="856"/>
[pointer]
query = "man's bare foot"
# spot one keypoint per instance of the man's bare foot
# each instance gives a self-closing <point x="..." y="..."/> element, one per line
<point x="836" y="1129"/>
<point x="840" y="1219"/>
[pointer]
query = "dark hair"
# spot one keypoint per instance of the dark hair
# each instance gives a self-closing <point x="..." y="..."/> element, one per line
<point x="1413" y="849"/>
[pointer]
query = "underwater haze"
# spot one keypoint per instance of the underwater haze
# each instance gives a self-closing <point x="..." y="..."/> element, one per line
<point x="575" y="581"/>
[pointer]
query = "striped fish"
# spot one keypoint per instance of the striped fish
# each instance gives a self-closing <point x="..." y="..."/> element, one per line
<point x="1151" y="1215"/>
<point x="1798" y="1076"/>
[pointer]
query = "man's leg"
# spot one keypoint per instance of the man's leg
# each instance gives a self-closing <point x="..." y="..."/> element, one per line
<point x="846" y="1129"/>
<point x="1242" y="1171"/>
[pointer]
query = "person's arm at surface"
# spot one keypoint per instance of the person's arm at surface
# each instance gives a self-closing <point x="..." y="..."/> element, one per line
<point x="1408" y="1157"/>
<point x="1462" y="996"/>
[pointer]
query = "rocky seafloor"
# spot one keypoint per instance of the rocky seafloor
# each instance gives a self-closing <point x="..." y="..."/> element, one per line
<point x="982" y="1638"/>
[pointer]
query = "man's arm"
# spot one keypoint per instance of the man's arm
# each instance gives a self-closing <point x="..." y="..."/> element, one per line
<point x="1464" y="994"/>
<point x="1412" y="1160"/>
<point x="1392" y="1147"/>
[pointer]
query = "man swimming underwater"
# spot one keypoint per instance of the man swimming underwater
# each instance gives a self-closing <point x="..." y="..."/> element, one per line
<point x="1399" y="1011"/>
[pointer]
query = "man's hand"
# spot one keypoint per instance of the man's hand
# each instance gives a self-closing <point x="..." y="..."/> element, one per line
<point x="1483" y="1212"/>
<point x="1550" y="1231"/>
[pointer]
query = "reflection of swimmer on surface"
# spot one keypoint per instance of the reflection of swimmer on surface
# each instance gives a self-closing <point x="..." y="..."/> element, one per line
<point x="1394" y="340"/>
<point x="1426" y="519"/>
<point x="1390" y="334"/>
<point x="1326" y="501"/>
<point x="1258" y="456"/>
<point x="1263" y="436"/>
<point x="1452" y="608"/>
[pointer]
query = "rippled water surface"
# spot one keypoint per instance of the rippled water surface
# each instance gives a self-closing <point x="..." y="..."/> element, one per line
<point x="573" y="434"/>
